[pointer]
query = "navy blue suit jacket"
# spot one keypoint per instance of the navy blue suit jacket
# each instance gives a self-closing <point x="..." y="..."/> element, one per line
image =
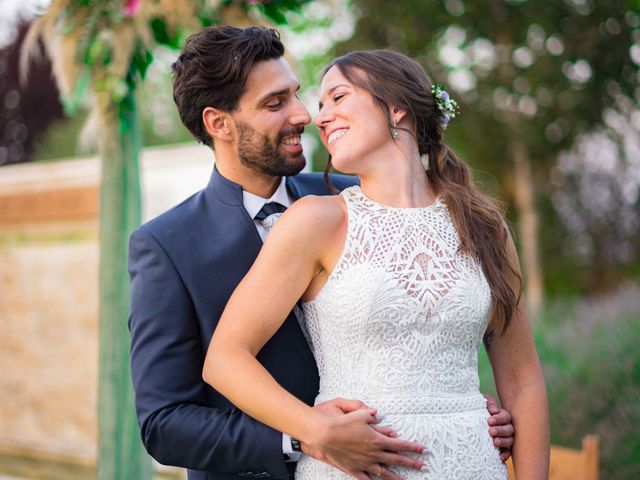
<point x="184" y="265"/>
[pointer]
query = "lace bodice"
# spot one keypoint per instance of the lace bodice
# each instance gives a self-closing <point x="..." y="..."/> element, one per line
<point x="399" y="324"/>
<point x="411" y="308"/>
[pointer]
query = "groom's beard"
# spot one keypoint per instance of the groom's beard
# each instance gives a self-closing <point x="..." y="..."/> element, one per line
<point x="262" y="155"/>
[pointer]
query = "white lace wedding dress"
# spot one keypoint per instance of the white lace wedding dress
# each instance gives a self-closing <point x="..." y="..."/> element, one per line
<point x="398" y="325"/>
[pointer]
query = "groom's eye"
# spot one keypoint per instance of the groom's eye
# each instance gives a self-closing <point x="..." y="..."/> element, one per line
<point x="274" y="104"/>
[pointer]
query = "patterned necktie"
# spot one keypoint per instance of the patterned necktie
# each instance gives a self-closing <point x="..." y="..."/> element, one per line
<point x="269" y="213"/>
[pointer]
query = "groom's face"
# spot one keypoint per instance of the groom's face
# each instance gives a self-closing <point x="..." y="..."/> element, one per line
<point x="270" y="120"/>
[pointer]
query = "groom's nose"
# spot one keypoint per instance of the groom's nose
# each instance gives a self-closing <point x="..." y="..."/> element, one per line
<point x="298" y="114"/>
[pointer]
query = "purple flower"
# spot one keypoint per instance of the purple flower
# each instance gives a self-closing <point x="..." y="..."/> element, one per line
<point x="444" y="95"/>
<point x="445" y="120"/>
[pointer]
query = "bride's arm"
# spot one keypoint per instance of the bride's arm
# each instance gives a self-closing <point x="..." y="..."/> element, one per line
<point x="521" y="388"/>
<point x="293" y="255"/>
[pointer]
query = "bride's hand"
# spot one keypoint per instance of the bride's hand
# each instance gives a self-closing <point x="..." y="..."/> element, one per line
<point x="339" y="406"/>
<point x="355" y="444"/>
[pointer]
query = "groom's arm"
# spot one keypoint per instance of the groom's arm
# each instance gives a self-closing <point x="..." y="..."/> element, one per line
<point x="177" y="426"/>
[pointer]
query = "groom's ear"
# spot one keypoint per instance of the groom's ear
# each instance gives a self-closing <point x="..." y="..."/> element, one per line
<point x="218" y="124"/>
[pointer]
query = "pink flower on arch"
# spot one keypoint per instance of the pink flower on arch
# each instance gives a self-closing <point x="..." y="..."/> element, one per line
<point x="132" y="7"/>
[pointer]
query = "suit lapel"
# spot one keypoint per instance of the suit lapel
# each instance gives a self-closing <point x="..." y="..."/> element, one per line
<point x="230" y="209"/>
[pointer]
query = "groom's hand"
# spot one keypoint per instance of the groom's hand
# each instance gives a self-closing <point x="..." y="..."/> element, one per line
<point x="500" y="427"/>
<point x="352" y="440"/>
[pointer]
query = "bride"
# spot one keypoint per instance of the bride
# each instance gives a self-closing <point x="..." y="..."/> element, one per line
<point x="401" y="279"/>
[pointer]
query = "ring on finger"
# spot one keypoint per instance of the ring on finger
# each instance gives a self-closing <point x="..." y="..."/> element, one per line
<point x="380" y="471"/>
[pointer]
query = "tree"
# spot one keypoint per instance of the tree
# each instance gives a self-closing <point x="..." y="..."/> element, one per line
<point x="531" y="76"/>
<point x="597" y="194"/>
<point x="28" y="109"/>
<point x="101" y="49"/>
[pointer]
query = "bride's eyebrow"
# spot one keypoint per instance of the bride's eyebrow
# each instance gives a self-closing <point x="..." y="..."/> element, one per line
<point x="330" y="91"/>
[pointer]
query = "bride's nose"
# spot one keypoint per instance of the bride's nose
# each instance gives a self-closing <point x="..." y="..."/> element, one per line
<point x="324" y="116"/>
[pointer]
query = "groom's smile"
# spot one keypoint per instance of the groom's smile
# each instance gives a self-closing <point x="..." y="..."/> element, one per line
<point x="270" y="119"/>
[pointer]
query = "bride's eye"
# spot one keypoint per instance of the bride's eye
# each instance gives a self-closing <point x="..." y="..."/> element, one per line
<point x="338" y="97"/>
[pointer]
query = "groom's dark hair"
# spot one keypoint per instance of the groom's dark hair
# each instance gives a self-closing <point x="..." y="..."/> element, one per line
<point x="212" y="70"/>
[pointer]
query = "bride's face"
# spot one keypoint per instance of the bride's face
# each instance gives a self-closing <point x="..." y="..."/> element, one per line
<point x="352" y="126"/>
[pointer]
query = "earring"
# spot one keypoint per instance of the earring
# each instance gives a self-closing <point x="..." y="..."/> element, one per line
<point x="424" y="158"/>
<point x="394" y="130"/>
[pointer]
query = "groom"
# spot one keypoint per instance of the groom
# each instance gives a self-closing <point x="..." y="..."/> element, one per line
<point x="185" y="264"/>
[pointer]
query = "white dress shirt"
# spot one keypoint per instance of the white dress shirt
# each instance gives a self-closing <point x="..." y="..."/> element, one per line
<point x="253" y="204"/>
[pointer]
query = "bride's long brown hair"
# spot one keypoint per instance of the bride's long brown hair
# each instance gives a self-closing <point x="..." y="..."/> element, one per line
<point x="393" y="79"/>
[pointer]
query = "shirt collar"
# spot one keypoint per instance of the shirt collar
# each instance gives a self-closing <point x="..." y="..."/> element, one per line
<point x="254" y="203"/>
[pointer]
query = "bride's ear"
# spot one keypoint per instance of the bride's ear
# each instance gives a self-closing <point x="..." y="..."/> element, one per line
<point x="397" y="114"/>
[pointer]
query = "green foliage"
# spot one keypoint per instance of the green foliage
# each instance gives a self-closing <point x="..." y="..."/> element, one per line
<point x="96" y="21"/>
<point x="532" y="49"/>
<point x="536" y="73"/>
<point x="72" y="102"/>
<point x="163" y="35"/>
<point x="274" y="10"/>
<point x="90" y="18"/>
<point x="588" y="350"/>
<point x="140" y="61"/>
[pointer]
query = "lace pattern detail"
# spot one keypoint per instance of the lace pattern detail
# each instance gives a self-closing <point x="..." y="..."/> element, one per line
<point x="398" y="325"/>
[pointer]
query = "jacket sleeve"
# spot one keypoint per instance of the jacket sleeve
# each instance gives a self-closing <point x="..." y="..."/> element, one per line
<point x="177" y="426"/>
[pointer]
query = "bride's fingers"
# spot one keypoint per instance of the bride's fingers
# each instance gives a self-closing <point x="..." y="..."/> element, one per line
<point x="358" y="475"/>
<point x="381" y="471"/>
<point x="367" y="415"/>
<point x="375" y="470"/>
<point x="398" y="460"/>
<point x="386" y="431"/>
<point x="373" y="416"/>
<point x="399" y="445"/>
<point x="349" y="405"/>
<point x="389" y="475"/>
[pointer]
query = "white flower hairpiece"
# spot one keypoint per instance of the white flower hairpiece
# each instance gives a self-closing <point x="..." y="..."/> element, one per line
<point x="447" y="106"/>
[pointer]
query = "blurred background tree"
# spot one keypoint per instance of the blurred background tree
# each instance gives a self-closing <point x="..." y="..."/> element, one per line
<point x="28" y="109"/>
<point x="531" y="77"/>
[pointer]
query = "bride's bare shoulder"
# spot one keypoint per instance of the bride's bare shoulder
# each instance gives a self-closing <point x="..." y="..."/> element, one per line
<point x="313" y="218"/>
<point x="321" y="204"/>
